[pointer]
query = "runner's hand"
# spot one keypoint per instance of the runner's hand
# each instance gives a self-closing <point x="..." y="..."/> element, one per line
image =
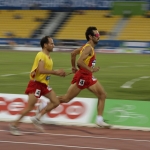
<point x="74" y="69"/>
<point x="61" y="73"/>
<point x="95" y="69"/>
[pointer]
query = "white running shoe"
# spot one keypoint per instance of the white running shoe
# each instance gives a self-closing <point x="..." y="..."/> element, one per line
<point x="103" y="124"/>
<point x="41" y="106"/>
<point x="14" y="130"/>
<point x="37" y="123"/>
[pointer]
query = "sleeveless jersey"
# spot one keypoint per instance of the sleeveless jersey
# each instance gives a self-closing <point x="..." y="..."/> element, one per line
<point x="35" y="75"/>
<point x="90" y="60"/>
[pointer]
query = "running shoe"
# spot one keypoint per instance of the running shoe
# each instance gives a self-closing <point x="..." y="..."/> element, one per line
<point x="103" y="124"/>
<point x="37" y="123"/>
<point x="14" y="130"/>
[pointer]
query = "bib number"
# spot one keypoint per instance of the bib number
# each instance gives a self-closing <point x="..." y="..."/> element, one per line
<point x="37" y="92"/>
<point x="93" y="63"/>
<point x="81" y="82"/>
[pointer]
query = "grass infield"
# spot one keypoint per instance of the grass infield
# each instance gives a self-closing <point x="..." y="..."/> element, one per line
<point x="116" y="70"/>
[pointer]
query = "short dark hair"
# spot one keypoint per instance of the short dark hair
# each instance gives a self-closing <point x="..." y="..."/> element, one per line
<point x="44" y="40"/>
<point x="89" y="31"/>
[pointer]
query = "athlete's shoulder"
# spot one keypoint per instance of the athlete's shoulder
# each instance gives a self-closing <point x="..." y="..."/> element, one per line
<point x="87" y="46"/>
<point x="40" y="54"/>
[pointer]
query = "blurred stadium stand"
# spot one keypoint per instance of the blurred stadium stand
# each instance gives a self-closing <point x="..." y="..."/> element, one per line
<point x="67" y="20"/>
<point x="21" y="23"/>
<point x="136" y="29"/>
<point x="74" y="27"/>
<point x="54" y="22"/>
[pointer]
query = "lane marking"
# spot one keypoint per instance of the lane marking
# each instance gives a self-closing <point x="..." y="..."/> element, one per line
<point x="54" y="145"/>
<point x="118" y="66"/>
<point x="24" y="72"/>
<point x="7" y="75"/>
<point x="129" y="84"/>
<point x="12" y="84"/>
<point x="141" y="65"/>
<point x="84" y="136"/>
<point x="128" y="66"/>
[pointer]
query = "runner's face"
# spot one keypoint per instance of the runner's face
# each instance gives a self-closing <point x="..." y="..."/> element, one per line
<point x="96" y="36"/>
<point x="50" y="45"/>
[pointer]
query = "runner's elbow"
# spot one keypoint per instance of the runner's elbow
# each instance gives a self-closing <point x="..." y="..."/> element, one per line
<point x="73" y="55"/>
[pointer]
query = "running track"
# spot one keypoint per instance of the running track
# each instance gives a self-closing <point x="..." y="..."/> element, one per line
<point x="59" y="137"/>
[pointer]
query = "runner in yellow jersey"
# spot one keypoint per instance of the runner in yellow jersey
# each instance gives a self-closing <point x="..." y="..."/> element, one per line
<point x="38" y="85"/>
<point x="35" y="74"/>
<point x="84" y="78"/>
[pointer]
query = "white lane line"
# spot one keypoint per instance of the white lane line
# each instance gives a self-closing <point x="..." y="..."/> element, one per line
<point x="128" y="66"/>
<point x="7" y="75"/>
<point x="124" y="62"/>
<point x="129" y="84"/>
<point x="145" y="77"/>
<point x="24" y="72"/>
<point x="83" y="136"/>
<point x="118" y="66"/>
<point x="54" y="145"/>
<point x="141" y="65"/>
<point x="12" y="84"/>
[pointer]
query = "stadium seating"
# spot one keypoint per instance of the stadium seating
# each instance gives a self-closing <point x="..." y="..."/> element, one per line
<point x="75" y="27"/>
<point x="21" y="23"/>
<point x="137" y="29"/>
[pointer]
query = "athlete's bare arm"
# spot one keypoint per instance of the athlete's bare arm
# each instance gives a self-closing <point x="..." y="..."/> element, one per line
<point x="42" y="70"/>
<point x="86" y="52"/>
<point x="73" y="59"/>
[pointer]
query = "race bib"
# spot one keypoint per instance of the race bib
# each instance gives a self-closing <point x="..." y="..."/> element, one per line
<point x="94" y="63"/>
<point x="81" y="82"/>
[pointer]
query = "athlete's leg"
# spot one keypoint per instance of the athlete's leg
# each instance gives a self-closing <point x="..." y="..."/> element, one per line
<point x="54" y="102"/>
<point x="98" y="90"/>
<point x="41" y="105"/>
<point x="72" y="92"/>
<point x="31" y="102"/>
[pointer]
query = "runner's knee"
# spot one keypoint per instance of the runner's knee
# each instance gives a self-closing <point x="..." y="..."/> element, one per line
<point x="56" y="103"/>
<point x="102" y="96"/>
<point x="64" y="99"/>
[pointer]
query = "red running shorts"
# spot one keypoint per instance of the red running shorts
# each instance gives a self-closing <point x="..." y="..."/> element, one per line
<point x="37" y="88"/>
<point x="83" y="80"/>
